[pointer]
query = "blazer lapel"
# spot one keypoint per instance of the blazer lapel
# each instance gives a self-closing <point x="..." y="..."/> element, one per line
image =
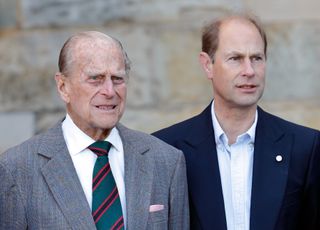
<point x="269" y="174"/>
<point x="138" y="174"/>
<point x="203" y="173"/>
<point x="62" y="180"/>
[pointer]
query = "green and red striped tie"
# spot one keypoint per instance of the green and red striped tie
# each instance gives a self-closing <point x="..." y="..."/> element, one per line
<point x="106" y="206"/>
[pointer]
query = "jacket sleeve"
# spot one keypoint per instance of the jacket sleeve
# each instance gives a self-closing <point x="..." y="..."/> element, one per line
<point x="311" y="195"/>
<point x="12" y="211"/>
<point x="179" y="204"/>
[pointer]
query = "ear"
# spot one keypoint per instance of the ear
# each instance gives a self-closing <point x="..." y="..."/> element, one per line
<point x="206" y="64"/>
<point x="62" y="87"/>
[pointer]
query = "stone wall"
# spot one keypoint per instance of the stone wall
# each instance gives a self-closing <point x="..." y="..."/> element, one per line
<point x="162" y="38"/>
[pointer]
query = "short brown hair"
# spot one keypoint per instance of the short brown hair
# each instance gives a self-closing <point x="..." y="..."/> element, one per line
<point x="210" y="32"/>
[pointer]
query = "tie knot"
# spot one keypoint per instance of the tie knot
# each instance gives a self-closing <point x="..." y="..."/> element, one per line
<point x="100" y="148"/>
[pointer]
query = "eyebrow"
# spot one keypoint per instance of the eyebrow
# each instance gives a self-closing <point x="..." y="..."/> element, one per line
<point x="239" y="53"/>
<point x="95" y="72"/>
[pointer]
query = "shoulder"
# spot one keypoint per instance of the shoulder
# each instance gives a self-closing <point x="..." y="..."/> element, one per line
<point x="154" y="144"/>
<point x="24" y="153"/>
<point x="20" y="151"/>
<point x="275" y="121"/>
<point x="175" y="130"/>
<point x="18" y="164"/>
<point x="186" y="128"/>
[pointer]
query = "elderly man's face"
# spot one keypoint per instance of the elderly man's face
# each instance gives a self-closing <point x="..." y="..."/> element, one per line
<point x="95" y="88"/>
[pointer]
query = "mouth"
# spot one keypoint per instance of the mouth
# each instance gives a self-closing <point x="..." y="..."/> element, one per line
<point x="106" y="107"/>
<point x="246" y="86"/>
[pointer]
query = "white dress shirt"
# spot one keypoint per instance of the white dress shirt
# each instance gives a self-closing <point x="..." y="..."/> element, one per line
<point x="235" y="165"/>
<point x="84" y="159"/>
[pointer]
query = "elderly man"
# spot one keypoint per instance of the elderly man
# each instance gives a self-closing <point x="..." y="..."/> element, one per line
<point x="247" y="169"/>
<point x="89" y="171"/>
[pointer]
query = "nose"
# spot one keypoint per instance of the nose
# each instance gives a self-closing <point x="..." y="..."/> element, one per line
<point x="248" y="69"/>
<point x="107" y="88"/>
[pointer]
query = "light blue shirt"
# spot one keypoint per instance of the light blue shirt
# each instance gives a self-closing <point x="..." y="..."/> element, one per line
<point x="235" y="165"/>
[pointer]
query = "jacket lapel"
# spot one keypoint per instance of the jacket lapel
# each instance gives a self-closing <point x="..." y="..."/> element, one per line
<point x="203" y="173"/>
<point x="139" y="167"/>
<point x="61" y="177"/>
<point x="269" y="174"/>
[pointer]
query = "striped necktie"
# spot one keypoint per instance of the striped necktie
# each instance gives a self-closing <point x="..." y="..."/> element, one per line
<point x="106" y="206"/>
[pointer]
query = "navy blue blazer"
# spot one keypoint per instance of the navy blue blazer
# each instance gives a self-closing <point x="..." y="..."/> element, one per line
<point x="285" y="195"/>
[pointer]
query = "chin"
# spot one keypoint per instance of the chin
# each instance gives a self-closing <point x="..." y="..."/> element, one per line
<point x="248" y="101"/>
<point x="248" y="104"/>
<point x="109" y="124"/>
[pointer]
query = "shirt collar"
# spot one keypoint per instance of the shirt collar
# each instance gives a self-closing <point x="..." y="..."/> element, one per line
<point x="77" y="140"/>
<point x="218" y="131"/>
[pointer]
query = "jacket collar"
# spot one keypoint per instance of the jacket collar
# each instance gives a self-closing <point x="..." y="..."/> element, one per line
<point x="61" y="177"/>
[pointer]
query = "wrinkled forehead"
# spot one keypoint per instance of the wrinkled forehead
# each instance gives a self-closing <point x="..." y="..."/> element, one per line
<point x="88" y="46"/>
<point x="105" y="49"/>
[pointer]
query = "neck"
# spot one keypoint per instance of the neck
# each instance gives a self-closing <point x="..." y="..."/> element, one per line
<point x="92" y="131"/>
<point x="235" y="121"/>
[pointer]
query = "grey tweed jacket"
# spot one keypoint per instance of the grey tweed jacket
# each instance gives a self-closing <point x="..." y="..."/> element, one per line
<point x="40" y="189"/>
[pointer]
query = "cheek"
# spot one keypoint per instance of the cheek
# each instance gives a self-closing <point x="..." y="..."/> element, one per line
<point x="224" y="72"/>
<point x="261" y="76"/>
<point x="83" y="93"/>
<point x="74" y="91"/>
<point x="79" y="98"/>
<point x="220" y="86"/>
<point x="260" y="69"/>
<point x="221" y="81"/>
<point x="122" y="92"/>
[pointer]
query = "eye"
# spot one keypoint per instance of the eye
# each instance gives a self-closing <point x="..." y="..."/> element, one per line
<point x="257" y="58"/>
<point x="95" y="78"/>
<point x="117" y="80"/>
<point x="234" y="58"/>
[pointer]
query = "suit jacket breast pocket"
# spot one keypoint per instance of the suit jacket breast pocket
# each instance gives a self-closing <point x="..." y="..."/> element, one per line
<point x="158" y="220"/>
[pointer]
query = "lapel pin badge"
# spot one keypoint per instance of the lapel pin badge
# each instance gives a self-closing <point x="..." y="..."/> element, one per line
<point x="279" y="158"/>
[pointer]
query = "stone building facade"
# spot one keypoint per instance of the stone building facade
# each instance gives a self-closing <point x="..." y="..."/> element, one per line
<point x="162" y="38"/>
